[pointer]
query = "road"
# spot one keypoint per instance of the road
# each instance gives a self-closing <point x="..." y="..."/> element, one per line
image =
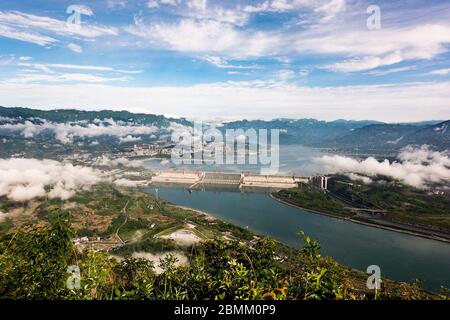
<point x="124" y="211"/>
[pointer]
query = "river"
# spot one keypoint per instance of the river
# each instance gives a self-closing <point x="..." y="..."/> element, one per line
<point x="400" y="256"/>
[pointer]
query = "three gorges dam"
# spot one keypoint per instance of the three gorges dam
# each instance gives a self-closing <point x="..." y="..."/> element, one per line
<point x="194" y="179"/>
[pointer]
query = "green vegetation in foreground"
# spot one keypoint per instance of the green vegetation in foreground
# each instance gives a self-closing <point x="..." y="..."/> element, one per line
<point x="6" y="225"/>
<point x="229" y="262"/>
<point x="311" y="198"/>
<point x="34" y="261"/>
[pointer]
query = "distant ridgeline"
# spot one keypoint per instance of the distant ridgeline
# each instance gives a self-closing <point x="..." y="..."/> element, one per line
<point x="49" y="134"/>
<point x="364" y="136"/>
<point x="71" y="115"/>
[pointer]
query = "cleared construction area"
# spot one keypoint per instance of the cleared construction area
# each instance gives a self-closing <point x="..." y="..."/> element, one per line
<point x="179" y="177"/>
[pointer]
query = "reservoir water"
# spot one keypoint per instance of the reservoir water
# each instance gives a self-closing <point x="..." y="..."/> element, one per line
<point x="294" y="160"/>
<point x="401" y="257"/>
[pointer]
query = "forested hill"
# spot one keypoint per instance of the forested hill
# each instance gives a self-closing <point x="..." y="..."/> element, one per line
<point x="72" y="115"/>
<point x="364" y="135"/>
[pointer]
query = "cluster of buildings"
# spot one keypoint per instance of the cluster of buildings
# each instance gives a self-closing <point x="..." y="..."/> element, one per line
<point x="96" y="243"/>
<point x="319" y="181"/>
<point x="151" y="150"/>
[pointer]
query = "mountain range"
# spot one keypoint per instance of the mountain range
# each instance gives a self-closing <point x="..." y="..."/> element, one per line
<point x="364" y="135"/>
<point x="72" y="115"/>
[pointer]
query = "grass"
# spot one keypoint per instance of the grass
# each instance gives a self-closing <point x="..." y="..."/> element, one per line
<point x="168" y="231"/>
<point x="151" y="245"/>
<point x="403" y="203"/>
<point x="310" y="198"/>
<point x="171" y="218"/>
<point x="129" y="229"/>
<point x="6" y="225"/>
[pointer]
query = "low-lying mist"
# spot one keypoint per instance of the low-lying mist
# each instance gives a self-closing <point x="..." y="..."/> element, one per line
<point x="415" y="166"/>
<point x="25" y="179"/>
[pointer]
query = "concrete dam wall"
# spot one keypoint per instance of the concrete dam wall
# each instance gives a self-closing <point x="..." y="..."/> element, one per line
<point x="241" y="180"/>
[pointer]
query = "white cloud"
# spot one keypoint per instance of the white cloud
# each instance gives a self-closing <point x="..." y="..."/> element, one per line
<point x="331" y="9"/>
<point x="252" y="99"/>
<point x="25" y="179"/>
<point x="49" y="66"/>
<point x="106" y="162"/>
<point x="26" y="36"/>
<point x="129" y="138"/>
<point x="417" y="167"/>
<point x="169" y="2"/>
<point x="6" y="60"/>
<point x="82" y="9"/>
<point x="112" y="4"/>
<point x="206" y="36"/>
<point x="51" y="72"/>
<point x="303" y="72"/>
<point x="391" y="70"/>
<point x="224" y="64"/>
<point x="372" y="49"/>
<point x="7" y="119"/>
<point x="25" y="192"/>
<point x="440" y="72"/>
<point x="202" y="10"/>
<point x="260" y="7"/>
<point x="197" y="4"/>
<point x="65" y="132"/>
<point x="238" y="73"/>
<point x="16" y="25"/>
<point x="178" y="129"/>
<point x="365" y="63"/>
<point x="219" y="14"/>
<point x="223" y="32"/>
<point x="75" y="48"/>
<point x="63" y="77"/>
<point x="122" y="182"/>
<point x="152" y="4"/>
<point x="285" y="74"/>
<point x="282" y="5"/>
<point x="357" y="177"/>
<point x="325" y="10"/>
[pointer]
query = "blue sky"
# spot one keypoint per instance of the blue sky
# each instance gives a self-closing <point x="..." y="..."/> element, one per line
<point x="230" y="59"/>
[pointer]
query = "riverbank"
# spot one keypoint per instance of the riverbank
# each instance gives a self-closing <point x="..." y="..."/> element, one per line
<point x="206" y="214"/>
<point x="393" y="227"/>
<point x="402" y="257"/>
